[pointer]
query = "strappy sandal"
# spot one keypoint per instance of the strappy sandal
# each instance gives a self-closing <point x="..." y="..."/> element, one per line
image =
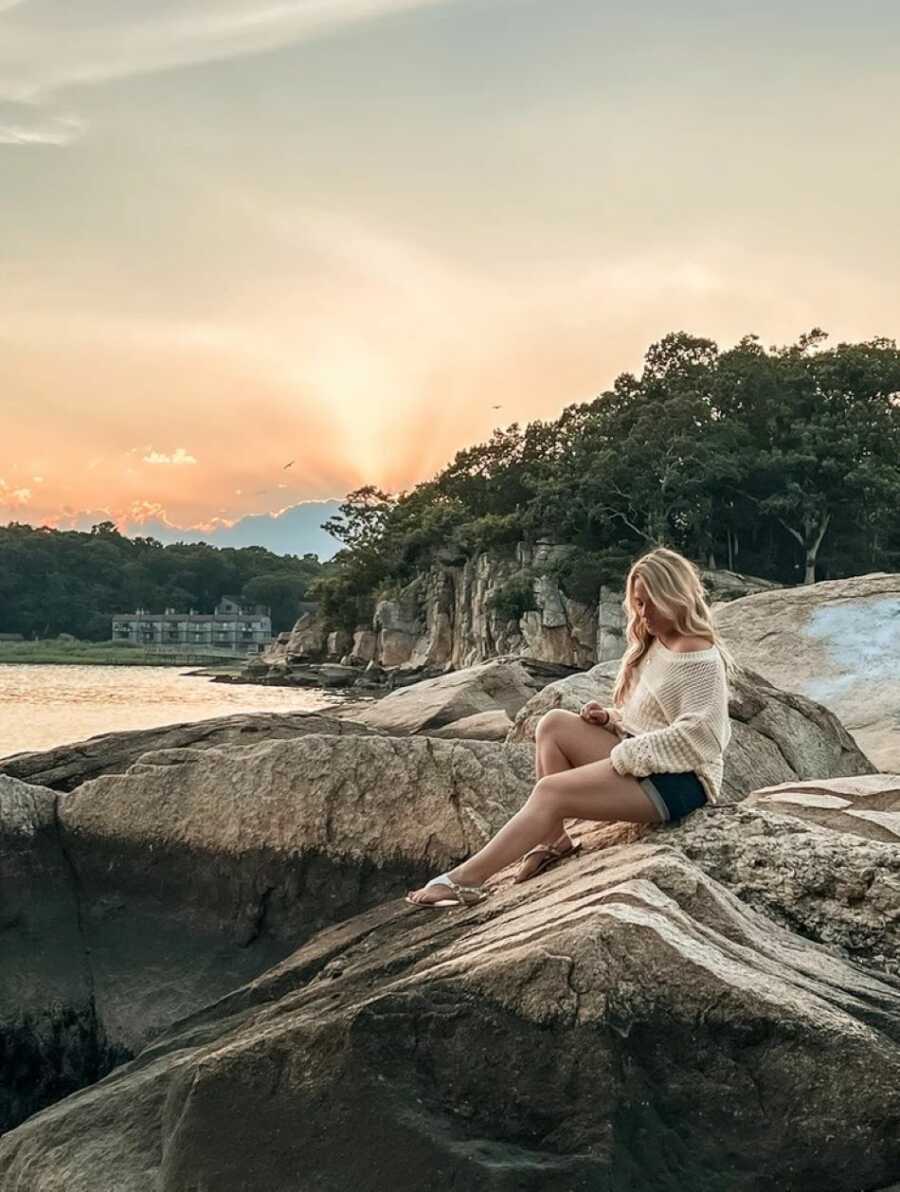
<point x="550" y="854"/>
<point x="463" y="895"/>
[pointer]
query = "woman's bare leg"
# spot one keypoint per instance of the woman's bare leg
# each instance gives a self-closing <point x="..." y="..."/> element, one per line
<point x="563" y="740"/>
<point x="592" y="792"/>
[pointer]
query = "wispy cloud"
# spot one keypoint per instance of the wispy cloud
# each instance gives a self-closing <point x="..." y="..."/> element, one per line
<point x="178" y="456"/>
<point x="28" y="126"/>
<point x="43" y="48"/>
<point x="13" y="498"/>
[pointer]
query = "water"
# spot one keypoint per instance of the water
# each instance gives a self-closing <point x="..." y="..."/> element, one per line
<point x="46" y="705"/>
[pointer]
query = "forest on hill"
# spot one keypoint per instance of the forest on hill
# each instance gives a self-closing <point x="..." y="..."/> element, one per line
<point x="68" y="581"/>
<point x="781" y="462"/>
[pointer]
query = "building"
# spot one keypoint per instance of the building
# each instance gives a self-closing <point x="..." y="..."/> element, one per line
<point x="233" y="626"/>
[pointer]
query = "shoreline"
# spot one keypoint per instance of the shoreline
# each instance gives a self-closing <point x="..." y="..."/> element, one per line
<point x="53" y="653"/>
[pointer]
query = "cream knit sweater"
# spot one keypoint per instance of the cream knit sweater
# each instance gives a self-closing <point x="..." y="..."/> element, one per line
<point x="677" y="707"/>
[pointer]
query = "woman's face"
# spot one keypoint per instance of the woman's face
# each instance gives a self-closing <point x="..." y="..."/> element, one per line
<point x="644" y="606"/>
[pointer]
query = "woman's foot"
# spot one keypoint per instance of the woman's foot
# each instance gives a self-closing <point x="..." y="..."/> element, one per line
<point x="444" y="890"/>
<point x="542" y="856"/>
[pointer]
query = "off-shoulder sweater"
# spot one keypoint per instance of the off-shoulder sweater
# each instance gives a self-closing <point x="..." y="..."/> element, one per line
<point x="677" y="709"/>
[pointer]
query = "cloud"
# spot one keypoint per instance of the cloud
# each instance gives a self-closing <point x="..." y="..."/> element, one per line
<point x="179" y="456"/>
<point x="138" y="513"/>
<point x="42" y="49"/>
<point x="32" y="124"/>
<point x="13" y="498"/>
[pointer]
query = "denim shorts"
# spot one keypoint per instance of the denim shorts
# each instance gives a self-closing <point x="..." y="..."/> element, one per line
<point x="673" y="794"/>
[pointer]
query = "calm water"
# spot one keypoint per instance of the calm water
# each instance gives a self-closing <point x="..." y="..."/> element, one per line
<point x="46" y="705"/>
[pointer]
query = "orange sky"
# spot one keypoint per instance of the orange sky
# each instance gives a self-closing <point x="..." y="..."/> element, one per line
<point x="234" y="234"/>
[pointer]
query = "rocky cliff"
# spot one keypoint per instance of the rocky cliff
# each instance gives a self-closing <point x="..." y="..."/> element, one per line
<point x="445" y="619"/>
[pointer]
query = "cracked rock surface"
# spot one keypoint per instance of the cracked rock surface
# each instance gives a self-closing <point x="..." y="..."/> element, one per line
<point x="623" y="1022"/>
<point x="822" y="858"/>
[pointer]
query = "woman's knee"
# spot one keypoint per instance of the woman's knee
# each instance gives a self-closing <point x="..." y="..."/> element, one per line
<point x="553" y="722"/>
<point x="545" y="797"/>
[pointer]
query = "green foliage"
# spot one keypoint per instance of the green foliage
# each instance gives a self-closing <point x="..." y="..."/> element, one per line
<point x="782" y="462"/>
<point x="489" y="532"/>
<point x="66" y="581"/>
<point x="581" y="573"/>
<point x="512" y="599"/>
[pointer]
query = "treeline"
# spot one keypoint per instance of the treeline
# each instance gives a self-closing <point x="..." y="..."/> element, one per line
<point x="783" y="463"/>
<point x="65" y="581"/>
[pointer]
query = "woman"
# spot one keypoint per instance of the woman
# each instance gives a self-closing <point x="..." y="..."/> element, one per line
<point x="652" y="757"/>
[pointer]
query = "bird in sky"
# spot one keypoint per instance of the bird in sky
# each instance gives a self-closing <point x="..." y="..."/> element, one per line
<point x="289" y="464"/>
<point x="496" y="407"/>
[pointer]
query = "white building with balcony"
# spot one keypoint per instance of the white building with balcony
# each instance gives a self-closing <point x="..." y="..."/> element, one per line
<point x="233" y="626"/>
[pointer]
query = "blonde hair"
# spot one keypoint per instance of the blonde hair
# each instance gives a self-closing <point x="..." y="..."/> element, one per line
<point x="674" y="586"/>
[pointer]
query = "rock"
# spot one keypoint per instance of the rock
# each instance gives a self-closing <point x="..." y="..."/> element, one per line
<point x="724" y="585"/>
<point x="363" y="650"/>
<point x="67" y="766"/>
<point x="821" y="858"/>
<point x="445" y="619"/>
<point x="482" y="726"/>
<point x="623" y="1021"/>
<point x="504" y="685"/>
<point x="48" y="1037"/>
<point x="200" y="868"/>
<point x="337" y="643"/>
<point x="777" y="736"/>
<point x="837" y="642"/>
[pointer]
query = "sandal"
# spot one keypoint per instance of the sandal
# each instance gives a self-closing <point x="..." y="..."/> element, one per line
<point x="550" y="854"/>
<point x="463" y="895"/>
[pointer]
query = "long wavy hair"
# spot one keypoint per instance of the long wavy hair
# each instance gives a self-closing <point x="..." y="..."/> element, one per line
<point x="674" y="586"/>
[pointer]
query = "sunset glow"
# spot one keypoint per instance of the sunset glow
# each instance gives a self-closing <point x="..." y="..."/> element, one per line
<point x="234" y="234"/>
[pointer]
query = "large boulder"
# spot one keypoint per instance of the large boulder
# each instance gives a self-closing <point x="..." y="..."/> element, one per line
<point x="504" y="684"/>
<point x="140" y="897"/>
<point x="67" y="766"/>
<point x="481" y="726"/>
<point x="48" y="1039"/>
<point x="837" y="642"/>
<point x="622" y="1022"/>
<point x="776" y="736"/>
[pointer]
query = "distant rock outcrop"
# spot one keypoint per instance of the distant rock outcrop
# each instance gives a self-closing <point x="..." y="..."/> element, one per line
<point x="623" y="1021"/>
<point x="448" y="617"/>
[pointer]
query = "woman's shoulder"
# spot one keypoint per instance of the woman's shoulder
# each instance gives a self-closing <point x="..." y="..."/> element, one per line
<point x="686" y="645"/>
<point x="692" y="645"/>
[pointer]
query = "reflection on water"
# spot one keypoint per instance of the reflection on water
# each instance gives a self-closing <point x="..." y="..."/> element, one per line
<point x="46" y="705"/>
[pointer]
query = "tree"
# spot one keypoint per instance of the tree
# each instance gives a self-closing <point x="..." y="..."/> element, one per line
<point x="282" y="593"/>
<point x="825" y="438"/>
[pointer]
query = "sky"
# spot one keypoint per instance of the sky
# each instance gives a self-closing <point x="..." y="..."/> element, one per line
<point x="240" y="233"/>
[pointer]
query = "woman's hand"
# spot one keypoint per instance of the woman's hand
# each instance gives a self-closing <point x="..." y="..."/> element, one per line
<point x="594" y="713"/>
